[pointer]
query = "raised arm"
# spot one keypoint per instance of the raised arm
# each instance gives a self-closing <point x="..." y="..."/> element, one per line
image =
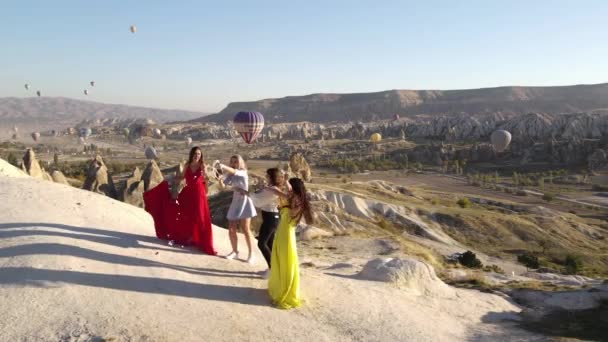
<point x="278" y="191"/>
<point x="227" y="169"/>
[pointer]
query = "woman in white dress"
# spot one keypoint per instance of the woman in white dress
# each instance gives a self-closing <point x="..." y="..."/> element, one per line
<point x="241" y="209"/>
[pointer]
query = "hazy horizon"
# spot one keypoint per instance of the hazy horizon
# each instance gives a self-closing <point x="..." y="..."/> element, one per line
<point x="201" y="56"/>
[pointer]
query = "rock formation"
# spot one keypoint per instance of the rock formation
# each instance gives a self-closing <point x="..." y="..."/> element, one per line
<point x="131" y="190"/>
<point x="98" y="178"/>
<point x="58" y="177"/>
<point x="299" y="167"/>
<point x="410" y="273"/>
<point x="31" y="166"/>
<point x="151" y="175"/>
<point x="384" y="104"/>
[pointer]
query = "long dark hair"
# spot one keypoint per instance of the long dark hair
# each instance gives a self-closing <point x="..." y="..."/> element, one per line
<point x="276" y="177"/>
<point x="191" y="157"/>
<point x="300" y="194"/>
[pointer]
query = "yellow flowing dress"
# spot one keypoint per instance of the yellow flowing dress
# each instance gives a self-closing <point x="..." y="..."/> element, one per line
<point x="284" y="280"/>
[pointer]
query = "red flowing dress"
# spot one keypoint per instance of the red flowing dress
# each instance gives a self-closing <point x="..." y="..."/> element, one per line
<point x="186" y="220"/>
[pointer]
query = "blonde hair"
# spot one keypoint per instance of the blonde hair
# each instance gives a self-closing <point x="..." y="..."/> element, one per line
<point x="241" y="162"/>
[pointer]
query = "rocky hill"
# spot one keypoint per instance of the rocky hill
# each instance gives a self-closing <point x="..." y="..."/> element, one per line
<point x="60" y="112"/>
<point x="77" y="266"/>
<point x="379" y="105"/>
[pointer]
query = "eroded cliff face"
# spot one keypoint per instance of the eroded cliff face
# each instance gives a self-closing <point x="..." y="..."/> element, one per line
<point x="383" y="105"/>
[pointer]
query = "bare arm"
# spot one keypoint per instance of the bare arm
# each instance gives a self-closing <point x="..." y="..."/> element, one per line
<point x="227" y="169"/>
<point x="278" y="191"/>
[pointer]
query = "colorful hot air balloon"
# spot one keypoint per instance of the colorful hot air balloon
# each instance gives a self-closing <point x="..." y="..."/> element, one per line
<point x="86" y="92"/>
<point x="38" y="93"/>
<point x="36" y="136"/>
<point x="92" y="83"/>
<point x="151" y="153"/>
<point x="500" y="139"/>
<point x="188" y="141"/>
<point x="249" y="125"/>
<point x="133" y="29"/>
<point x="27" y="86"/>
<point x="375" y="138"/>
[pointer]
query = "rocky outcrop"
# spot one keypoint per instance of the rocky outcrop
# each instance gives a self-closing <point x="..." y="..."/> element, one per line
<point x="383" y="105"/>
<point x="299" y="167"/>
<point x="597" y="160"/>
<point x="152" y="176"/>
<point x="309" y="232"/>
<point x="131" y="190"/>
<point x="369" y="209"/>
<point x="31" y="166"/>
<point x="98" y="178"/>
<point x="58" y="177"/>
<point x="409" y="273"/>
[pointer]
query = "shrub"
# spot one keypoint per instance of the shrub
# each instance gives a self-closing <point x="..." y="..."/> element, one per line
<point x="598" y="187"/>
<point x="548" y="197"/>
<point x="573" y="264"/>
<point x="434" y="201"/>
<point x="464" y="203"/>
<point x="493" y="268"/>
<point x="521" y="193"/>
<point x="12" y="159"/>
<point x="528" y="260"/>
<point x="344" y="180"/>
<point x="322" y="174"/>
<point x="469" y="259"/>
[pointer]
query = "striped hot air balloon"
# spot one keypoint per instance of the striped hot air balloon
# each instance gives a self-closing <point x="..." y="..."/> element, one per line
<point x="249" y="125"/>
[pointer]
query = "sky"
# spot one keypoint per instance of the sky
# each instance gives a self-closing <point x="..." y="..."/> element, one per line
<point x="201" y="55"/>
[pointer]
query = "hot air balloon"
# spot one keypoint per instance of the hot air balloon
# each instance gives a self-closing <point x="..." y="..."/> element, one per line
<point x="150" y="153"/>
<point x="500" y="140"/>
<point x="375" y="138"/>
<point x="157" y="132"/>
<point x="85" y="132"/>
<point x="38" y="93"/>
<point x="133" y="29"/>
<point x="126" y="132"/>
<point x="92" y="83"/>
<point x="35" y="136"/>
<point x="249" y="125"/>
<point x="27" y="86"/>
<point x="15" y="129"/>
<point x="86" y="92"/>
<point x="188" y="141"/>
<point x="81" y="140"/>
<point x="396" y="117"/>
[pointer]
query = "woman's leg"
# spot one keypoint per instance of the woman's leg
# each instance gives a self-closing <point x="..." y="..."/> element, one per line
<point x="233" y="237"/>
<point x="246" y="226"/>
<point x="267" y="229"/>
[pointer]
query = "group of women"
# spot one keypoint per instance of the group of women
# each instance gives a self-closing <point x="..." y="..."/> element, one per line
<point x="283" y="203"/>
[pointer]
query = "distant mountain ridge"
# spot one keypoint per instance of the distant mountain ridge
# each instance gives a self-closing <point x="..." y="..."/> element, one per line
<point x="49" y="112"/>
<point x="384" y="104"/>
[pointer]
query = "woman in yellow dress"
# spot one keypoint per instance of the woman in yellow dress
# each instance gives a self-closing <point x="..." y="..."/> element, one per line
<point x="284" y="280"/>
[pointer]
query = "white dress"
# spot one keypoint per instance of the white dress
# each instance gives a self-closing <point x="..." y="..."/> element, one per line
<point x="241" y="206"/>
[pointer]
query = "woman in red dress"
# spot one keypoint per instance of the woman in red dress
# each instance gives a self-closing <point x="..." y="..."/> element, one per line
<point x="185" y="221"/>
